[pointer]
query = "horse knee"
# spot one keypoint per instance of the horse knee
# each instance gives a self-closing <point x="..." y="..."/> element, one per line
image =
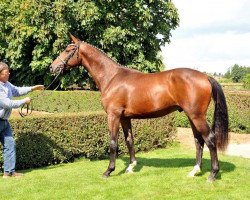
<point x="216" y="168"/>
<point x="113" y="145"/>
<point x="129" y="140"/>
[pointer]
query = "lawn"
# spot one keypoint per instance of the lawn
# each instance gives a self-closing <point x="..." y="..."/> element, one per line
<point x="160" y="174"/>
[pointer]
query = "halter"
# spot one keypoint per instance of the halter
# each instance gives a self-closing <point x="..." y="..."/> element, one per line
<point x="27" y="109"/>
<point x="70" y="55"/>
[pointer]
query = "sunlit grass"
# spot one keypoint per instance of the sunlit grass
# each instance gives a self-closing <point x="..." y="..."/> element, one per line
<point x="160" y="174"/>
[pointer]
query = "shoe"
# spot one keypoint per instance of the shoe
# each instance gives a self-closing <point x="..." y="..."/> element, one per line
<point x="13" y="174"/>
<point x="6" y="175"/>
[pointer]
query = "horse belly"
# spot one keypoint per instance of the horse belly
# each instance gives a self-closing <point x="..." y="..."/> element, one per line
<point x="152" y="114"/>
<point x="147" y="105"/>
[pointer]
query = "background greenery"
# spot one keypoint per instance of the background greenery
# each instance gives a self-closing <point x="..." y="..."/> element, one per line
<point x="33" y="33"/>
<point x="58" y="138"/>
<point x="237" y="73"/>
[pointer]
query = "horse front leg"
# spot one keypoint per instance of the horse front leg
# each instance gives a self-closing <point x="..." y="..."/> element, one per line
<point x="127" y="130"/>
<point x="113" y="123"/>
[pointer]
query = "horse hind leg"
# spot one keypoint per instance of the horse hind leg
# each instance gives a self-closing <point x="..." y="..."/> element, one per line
<point x="127" y="130"/>
<point x="202" y="127"/>
<point x="199" y="144"/>
<point x="211" y="144"/>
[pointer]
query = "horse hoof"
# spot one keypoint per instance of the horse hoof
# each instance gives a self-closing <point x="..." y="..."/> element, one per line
<point x="211" y="179"/>
<point x="130" y="168"/>
<point x="196" y="170"/>
<point x="129" y="171"/>
<point x="105" y="175"/>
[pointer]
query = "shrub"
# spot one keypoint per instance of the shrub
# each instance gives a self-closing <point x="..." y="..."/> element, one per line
<point x="66" y="101"/>
<point x="58" y="138"/>
<point x="246" y="81"/>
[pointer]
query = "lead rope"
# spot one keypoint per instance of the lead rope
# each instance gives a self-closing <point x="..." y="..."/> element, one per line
<point x="26" y="109"/>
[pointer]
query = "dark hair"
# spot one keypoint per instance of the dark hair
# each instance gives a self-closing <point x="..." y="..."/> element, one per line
<point x="3" y="66"/>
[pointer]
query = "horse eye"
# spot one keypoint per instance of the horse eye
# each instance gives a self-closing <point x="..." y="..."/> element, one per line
<point x="68" y="49"/>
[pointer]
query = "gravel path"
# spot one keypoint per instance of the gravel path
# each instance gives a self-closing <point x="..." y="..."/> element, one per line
<point x="239" y="144"/>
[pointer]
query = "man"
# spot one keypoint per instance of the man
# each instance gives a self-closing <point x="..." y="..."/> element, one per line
<point x="7" y="91"/>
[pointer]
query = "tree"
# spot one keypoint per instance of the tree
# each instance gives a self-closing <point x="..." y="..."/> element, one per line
<point x="237" y="73"/>
<point x="34" y="32"/>
<point x="228" y="74"/>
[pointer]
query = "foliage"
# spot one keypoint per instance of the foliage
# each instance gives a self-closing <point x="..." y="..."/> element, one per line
<point x="159" y="175"/>
<point x="52" y="139"/>
<point x="239" y="112"/>
<point x="237" y="73"/>
<point x="246" y="81"/>
<point x="33" y="33"/>
<point x="224" y="80"/>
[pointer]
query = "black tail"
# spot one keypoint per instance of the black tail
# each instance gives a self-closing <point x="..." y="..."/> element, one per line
<point x="220" y="123"/>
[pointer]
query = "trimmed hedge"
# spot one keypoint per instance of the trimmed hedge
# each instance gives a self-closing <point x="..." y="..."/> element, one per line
<point x="60" y="138"/>
<point x="66" y="101"/>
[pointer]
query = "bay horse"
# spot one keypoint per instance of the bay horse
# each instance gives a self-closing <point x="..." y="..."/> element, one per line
<point x="127" y="94"/>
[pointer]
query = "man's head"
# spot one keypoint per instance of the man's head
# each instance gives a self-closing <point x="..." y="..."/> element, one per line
<point x="4" y="72"/>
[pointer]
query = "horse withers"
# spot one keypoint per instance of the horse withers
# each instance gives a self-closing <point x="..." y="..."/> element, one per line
<point x="127" y="94"/>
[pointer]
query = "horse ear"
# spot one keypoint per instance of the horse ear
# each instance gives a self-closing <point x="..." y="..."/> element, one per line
<point x="74" y="39"/>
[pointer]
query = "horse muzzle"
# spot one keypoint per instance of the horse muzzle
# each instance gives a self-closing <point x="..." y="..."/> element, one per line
<point x="55" y="70"/>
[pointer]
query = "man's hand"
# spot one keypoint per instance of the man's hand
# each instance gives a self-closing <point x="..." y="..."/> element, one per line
<point x="37" y="87"/>
<point x="27" y="100"/>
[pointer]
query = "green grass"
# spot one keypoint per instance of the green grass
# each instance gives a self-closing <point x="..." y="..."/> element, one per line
<point x="160" y="174"/>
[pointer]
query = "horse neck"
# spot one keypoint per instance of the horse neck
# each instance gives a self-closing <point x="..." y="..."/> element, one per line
<point x="98" y="64"/>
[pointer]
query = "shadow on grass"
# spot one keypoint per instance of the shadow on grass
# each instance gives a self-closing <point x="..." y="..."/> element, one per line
<point x="35" y="150"/>
<point x="225" y="167"/>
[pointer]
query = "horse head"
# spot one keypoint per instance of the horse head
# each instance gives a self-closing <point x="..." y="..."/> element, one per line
<point x="67" y="59"/>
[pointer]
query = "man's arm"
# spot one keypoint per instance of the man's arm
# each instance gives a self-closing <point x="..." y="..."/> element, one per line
<point x="7" y="103"/>
<point x="19" y="91"/>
